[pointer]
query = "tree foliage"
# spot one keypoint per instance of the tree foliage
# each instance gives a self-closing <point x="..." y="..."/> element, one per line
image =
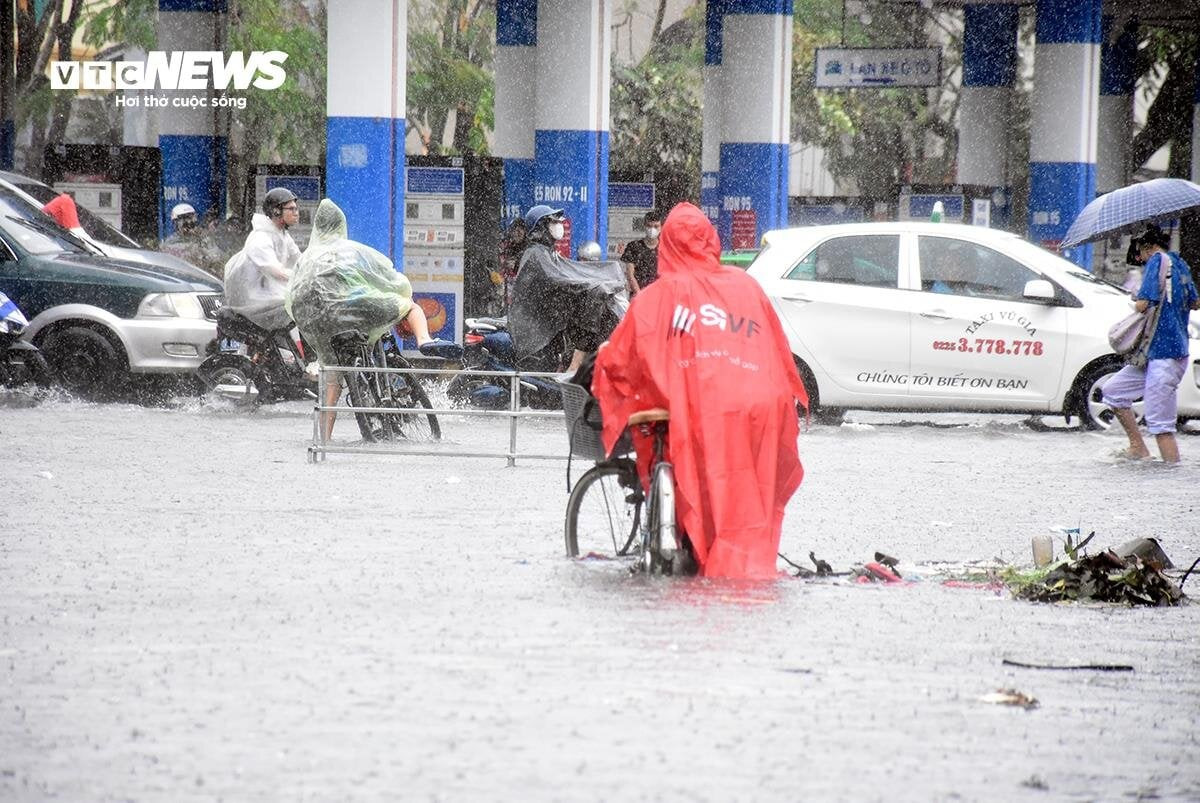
<point x="451" y="46"/>
<point x="285" y="124"/>
<point x="876" y="138"/>
<point x="655" y="107"/>
<point x="42" y="34"/>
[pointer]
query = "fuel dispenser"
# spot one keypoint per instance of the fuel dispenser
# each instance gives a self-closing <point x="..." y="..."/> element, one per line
<point x="118" y="183"/>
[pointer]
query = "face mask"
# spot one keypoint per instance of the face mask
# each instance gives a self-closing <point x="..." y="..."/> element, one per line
<point x="652" y="233"/>
<point x="556" y="230"/>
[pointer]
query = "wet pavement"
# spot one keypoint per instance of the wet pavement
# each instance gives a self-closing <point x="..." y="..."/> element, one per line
<point x="190" y="610"/>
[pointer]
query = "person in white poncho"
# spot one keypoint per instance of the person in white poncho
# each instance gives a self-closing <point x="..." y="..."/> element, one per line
<point x="256" y="277"/>
<point x="341" y="285"/>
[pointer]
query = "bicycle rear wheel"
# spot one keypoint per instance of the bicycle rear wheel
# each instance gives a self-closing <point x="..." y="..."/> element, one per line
<point x="660" y="551"/>
<point x="406" y="391"/>
<point x="603" y="512"/>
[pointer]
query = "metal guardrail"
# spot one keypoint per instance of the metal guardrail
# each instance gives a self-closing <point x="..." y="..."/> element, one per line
<point x="320" y="447"/>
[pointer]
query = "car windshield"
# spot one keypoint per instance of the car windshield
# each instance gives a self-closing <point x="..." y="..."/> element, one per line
<point x="34" y="231"/>
<point x="92" y="224"/>
<point x="1036" y="254"/>
<point x="1084" y="276"/>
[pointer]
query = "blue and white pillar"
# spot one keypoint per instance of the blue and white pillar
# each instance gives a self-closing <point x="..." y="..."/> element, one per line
<point x="989" y="70"/>
<point x="365" y="105"/>
<point x="516" y="93"/>
<point x="571" y="135"/>
<point x="755" y="57"/>
<point x="1062" y="137"/>
<point x="710" y="142"/>
<point x="193" y="154"/>
<point x="1118" y="54"/>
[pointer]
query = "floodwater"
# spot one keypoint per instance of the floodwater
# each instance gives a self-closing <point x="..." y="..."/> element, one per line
<point x="190" y="610"/>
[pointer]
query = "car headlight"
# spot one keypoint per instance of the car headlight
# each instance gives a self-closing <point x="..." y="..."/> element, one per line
<point x="170" y="305"/>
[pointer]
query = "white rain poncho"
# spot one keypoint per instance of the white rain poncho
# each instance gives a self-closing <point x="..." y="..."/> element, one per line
<point x="340" y="284"/>
<point x="256" y="278"/>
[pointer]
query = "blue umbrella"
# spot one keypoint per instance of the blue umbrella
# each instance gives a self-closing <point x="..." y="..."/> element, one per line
<point x="1125" y="209"/>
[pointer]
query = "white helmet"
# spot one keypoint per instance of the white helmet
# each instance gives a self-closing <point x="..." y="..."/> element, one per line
<point x="590" y="252"/>
<point x="179" y="210"/>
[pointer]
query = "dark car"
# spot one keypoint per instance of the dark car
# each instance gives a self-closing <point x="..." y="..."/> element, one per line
<point x="108" y="240"/>
<point x="98" y="319"/>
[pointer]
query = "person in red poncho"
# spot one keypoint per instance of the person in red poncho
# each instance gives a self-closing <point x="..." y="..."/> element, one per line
<point x="704" y="342"/>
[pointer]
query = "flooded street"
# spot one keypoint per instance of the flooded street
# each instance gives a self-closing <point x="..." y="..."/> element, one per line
<point x="192" y="610"/>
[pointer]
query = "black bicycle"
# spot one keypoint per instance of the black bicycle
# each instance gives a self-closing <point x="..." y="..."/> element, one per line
<point x="379" y="393"/>
<point x="605" y="509"/>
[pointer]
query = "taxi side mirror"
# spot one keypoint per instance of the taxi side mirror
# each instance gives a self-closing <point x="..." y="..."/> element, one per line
<point x="1039" y="290"/>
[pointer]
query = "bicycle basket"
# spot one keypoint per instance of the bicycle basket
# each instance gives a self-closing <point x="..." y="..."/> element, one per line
<point x="584" y="424"/>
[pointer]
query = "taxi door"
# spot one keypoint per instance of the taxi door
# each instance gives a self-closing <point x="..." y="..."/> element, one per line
<point x="975" y="338"/>
<point x="842" y="300"/>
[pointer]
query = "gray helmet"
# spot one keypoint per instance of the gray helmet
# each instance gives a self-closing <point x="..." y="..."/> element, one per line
<point x="590" y="252"/>
<point x="537" y="213"/>
<point x="275" y="200"/>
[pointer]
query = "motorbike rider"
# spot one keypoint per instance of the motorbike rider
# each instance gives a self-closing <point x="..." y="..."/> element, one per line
<point x="704" y="342"/>
<point x="191" y="242"/>
<point x="256" y="277"/>
<point x="340" y="284"/>
<point x="557" y="299"/>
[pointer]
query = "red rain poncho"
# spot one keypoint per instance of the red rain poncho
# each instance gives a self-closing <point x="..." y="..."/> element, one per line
<point x="704" y="342"/>
<point x="63" y="210"/>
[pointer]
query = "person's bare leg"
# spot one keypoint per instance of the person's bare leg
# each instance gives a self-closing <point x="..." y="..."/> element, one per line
<point x="576" y="361"/>
<point x="1137" y="446"/>
<point x="333" y="392"/>
<point x="419" y="324"/>
<point x="1168" y="447"/>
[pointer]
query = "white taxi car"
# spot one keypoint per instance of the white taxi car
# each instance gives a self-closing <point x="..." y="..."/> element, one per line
<point x="944" y="317"/>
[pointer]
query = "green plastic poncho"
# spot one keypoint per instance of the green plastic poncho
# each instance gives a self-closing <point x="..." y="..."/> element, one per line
<point x="340" y="284"/>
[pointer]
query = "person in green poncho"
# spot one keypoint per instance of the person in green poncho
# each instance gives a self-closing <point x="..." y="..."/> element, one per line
<point x="340" y="285"/>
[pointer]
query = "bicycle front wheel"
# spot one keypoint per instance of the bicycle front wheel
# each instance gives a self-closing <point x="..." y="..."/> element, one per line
<point x="406" y="391"/>
<point x="603" y="512"/>
<point x="366" y="390"/>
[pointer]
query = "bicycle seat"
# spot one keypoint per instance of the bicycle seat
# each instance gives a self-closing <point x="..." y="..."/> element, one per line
<point x="646" y="416"/>
<point x="349" y="339"/>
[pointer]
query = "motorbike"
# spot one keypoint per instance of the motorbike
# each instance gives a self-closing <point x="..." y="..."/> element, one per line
<point x="251" y="365"/>
<point x="21" y="362"/>
<point x="488" y="346"/>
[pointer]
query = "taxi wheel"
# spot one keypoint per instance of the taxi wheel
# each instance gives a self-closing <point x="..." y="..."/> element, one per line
<point x="1096" y="415"/>
<point x="819" y="413"/>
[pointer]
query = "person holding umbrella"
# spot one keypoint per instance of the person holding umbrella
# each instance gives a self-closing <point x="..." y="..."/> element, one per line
<point x="1167" y="282"/>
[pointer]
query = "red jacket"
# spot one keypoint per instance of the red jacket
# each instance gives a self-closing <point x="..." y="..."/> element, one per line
<point x="704" y="342"/>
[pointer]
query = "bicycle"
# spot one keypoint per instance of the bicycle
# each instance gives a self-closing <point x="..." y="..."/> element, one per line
<point x="377" y="391"/>
<point x="604" y="510"/>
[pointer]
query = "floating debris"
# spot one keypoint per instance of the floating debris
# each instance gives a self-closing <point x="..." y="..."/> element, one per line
<point x="1104" y="577"/>
<point x="1010" y="697"/>
<point x="1091" y="667"/>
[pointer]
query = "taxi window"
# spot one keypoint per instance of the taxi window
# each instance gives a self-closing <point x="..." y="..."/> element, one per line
<point x="870" y="260"/>
<point x="957" y="267"/>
